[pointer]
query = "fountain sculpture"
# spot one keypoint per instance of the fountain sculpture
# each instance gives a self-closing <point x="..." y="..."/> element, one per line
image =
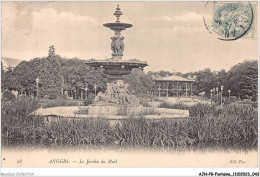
<point x="117" y="92"/>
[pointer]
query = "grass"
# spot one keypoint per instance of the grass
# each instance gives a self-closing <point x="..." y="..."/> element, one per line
<point x="233" y="126"/>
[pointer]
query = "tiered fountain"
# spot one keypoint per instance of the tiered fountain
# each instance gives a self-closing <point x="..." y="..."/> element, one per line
<point x="117" y="94"/>
<point x="117" y="102"/>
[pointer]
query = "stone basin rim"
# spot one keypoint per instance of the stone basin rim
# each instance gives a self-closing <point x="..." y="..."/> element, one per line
<point x="122" y="117"/>
<point x="117" y="24"/>
<point x="116" y="62"/>
<point x="116" y="105"/>
<point x="108" y="64"/>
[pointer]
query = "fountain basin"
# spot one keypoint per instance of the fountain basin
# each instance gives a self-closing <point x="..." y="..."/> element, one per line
<point x="112" y="63"/>
<point x="115" y="109"/>
<point x="134" y="110"/>
<point x="111" y="112"/>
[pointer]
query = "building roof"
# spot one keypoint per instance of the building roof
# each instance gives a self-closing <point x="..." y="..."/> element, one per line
<point x="173" y="78"/>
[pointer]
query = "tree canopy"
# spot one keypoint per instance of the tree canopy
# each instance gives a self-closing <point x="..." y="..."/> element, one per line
<point x="139" y="82"/>
<point x="57" y="73"/>
<point x="242" y="80"/>
<point x="25" y="74"/>
<point x="79" y="75"/>
<point x="73" y="73"/>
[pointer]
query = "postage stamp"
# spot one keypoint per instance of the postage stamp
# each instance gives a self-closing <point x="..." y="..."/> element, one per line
<point x="231" y="20"/>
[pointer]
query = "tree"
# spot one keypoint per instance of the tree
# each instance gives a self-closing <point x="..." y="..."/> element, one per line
<point x="205" y="81"/>
<point x="2" y="76"/>
<point x="51" y="79"/>
<point x="161" y="73"/>
<point x="223" y="80"/>
<point x="51" y="51"/>
<point x="8" y="80"/>
<point x="75" y="72"/>
<point x="25" y="74"/>
<point x="78" y="75"/>
<point x="139" y="82"/>
<point x="2" y="68"/>
<point x="243" y="80"/>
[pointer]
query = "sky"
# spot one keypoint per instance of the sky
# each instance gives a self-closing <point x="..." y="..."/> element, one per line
<point x="170" y="36"/>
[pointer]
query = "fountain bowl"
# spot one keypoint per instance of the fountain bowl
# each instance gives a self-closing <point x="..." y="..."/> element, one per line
<point x="117" y="67"/>
<point x="117" y="26"/>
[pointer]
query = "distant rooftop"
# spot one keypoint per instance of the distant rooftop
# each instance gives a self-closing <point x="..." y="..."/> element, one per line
<point x="173" y="78"/>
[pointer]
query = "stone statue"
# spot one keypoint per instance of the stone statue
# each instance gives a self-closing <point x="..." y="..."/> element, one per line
<point x="121" y="93"/>
<point x="117" y="45"/>
<point x="116" y="93"/>
<point x="131" y="99"/>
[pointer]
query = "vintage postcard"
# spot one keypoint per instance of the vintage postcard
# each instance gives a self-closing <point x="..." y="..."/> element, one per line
<point x="129" y="84"/>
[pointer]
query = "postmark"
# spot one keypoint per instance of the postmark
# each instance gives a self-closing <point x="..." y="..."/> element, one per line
<point x="231" y="20"/>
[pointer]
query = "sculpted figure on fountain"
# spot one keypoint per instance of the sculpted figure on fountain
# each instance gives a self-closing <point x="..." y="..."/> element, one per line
<point x="116" y="93"/>
<point x="117" y="45"/>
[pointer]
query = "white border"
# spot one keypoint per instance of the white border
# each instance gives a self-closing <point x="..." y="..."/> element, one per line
<point x="126" y="171"/>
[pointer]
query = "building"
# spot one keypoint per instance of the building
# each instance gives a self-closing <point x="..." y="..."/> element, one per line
<point x="173" y="86"/>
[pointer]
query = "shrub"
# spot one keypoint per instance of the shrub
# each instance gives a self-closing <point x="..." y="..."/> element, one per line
<point x="8" y="96"/>
<point x="89" y="99"/>
<point x="217" y="99"/>
<point x="20" y="107"/>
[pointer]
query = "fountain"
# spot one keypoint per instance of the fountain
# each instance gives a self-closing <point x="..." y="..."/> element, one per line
<point x="117" y="93"/>
<point x="117" y="102"/>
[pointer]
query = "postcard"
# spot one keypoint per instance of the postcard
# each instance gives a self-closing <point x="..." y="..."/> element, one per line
<point x="129" y="84"/>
